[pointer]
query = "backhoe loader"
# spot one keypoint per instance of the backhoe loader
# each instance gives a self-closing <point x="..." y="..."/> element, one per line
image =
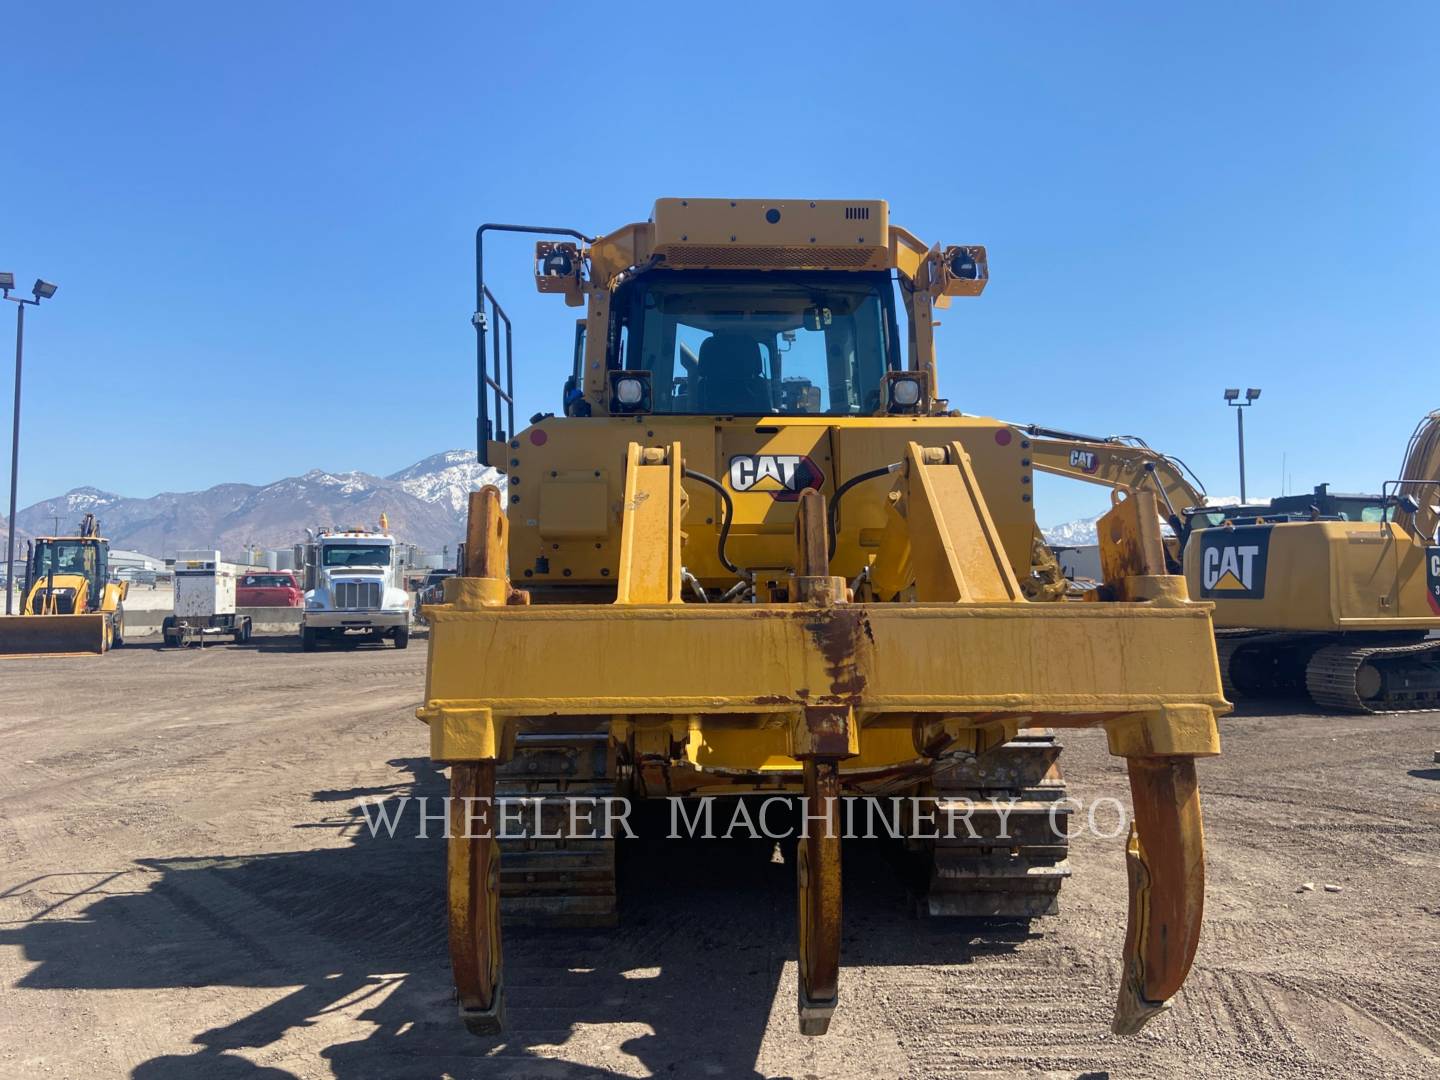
<point x="1326" y="595"/>
<point x="758" y="553"/>
<point x="68" y="604"/>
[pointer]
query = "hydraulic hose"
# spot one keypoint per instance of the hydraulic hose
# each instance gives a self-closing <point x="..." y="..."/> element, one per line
<point x="711" y="482"/>
<point x="846" y="486"/>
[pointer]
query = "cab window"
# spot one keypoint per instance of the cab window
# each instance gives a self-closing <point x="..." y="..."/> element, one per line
<point x="758" y="343"/>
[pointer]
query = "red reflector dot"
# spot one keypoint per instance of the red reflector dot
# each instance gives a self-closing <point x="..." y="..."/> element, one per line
<point x="538" y="437"/>
<point x="1002" y="437"/>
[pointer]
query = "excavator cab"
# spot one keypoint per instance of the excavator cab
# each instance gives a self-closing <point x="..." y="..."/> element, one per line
<point x="773" y="560"/>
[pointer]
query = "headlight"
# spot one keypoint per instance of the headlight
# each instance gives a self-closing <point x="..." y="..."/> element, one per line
<point x="629" y="391"/>
<point x="962" y="265"/>
<point x="905" y="393"/>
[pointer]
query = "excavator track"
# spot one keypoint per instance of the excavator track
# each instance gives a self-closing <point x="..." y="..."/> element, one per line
<point x="1265" y="663"/>
<point x="1226" y="646"/>
<point x="1015" y="865"/>
<point x="549" y="877"/>
<point x="1376" y="678"/>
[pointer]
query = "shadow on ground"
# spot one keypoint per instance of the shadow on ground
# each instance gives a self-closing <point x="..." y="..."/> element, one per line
<point x="690" y="978"/>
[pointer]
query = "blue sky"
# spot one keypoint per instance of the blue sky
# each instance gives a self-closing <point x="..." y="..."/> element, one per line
<point x="260" y="216"/>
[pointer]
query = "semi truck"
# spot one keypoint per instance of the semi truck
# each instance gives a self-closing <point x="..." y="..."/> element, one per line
<point x="353" y="588"/>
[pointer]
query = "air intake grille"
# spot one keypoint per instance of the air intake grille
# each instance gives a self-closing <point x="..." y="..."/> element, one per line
<point x="357" y="595"/>
<point x="740" y="255"/>
<point x="857" y="213"/>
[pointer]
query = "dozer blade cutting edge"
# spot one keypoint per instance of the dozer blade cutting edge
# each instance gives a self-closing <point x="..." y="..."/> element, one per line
<point x="31" y="635"/>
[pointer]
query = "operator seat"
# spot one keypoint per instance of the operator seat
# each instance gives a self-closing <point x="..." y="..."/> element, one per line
<point x="730" y="379"/>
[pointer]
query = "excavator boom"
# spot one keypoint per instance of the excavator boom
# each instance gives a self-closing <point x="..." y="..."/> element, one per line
<point x="1123" y="462"/>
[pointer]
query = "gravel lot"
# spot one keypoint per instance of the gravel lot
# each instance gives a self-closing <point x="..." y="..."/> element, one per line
<point x="185" y="891"/>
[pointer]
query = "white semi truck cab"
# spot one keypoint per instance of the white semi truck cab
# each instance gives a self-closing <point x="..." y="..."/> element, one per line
<point x="353" y="588"/>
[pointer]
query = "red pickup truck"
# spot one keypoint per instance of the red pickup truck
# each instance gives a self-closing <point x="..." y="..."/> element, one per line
<point x="268" y="589"/>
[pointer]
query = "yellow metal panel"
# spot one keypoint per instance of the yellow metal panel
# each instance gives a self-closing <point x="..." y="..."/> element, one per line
<point x="1061" y="663"/>
<point x="840" y="448"/>
<point x="1320" y="576"/>
<point x="461" y="732"/>
<point x="574" y="506"/>
<point x="997" y="459"/>
<point x="953" y="547"/>
<point x="765" y="466"/>
<point x="767" y="234"/>
<point x="1175" y="729"/>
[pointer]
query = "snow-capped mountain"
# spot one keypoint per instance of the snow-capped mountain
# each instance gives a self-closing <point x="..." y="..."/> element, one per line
<point x="425" y="505"/>
<point x="1077" y="533"/>
<point x="447" y="478"/>
<point x="1081" y="531"/>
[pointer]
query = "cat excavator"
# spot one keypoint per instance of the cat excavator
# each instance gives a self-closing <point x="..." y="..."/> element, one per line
<point x="1325" y="595"/>
<point x="1331" y="596"/>
<point x="68" y="604"/>
<point x="759" y="554"/>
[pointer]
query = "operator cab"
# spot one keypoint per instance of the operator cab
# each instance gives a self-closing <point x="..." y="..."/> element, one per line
<point x="68" y="557"/>
<point x="755" y="343"/>
<point x="1319" y="505"/>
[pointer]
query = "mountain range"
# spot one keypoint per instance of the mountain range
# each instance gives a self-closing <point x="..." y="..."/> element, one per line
<point x="425" y="505"/>
<point x="1081" y="531"/>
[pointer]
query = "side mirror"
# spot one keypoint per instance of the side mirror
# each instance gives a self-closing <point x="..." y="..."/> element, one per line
<point x="817" y="318"/>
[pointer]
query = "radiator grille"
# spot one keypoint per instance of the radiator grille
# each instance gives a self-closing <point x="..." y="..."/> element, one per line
<point x="741" y="255"/>
<point x="357" y="595"/>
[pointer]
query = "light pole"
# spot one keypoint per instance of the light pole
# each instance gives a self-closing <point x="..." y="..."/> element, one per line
<point x="42" y="290"/>
<point x="1232" y="397"/>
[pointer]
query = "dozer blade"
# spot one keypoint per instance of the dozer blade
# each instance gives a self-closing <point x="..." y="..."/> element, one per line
<point x="969" y="654"/>
<point x="39" y="635"/>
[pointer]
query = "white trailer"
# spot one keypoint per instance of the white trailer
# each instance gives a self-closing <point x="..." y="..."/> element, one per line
<point x="204" y="603"/>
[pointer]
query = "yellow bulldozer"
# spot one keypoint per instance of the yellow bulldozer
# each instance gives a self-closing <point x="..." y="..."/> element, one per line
<point x="758" y="554"/>
<point x="1327" y="595"/>
<point x="68" y="604"/>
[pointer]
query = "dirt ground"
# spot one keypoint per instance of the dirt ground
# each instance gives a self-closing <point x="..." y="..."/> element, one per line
<point x="185" y="891"/>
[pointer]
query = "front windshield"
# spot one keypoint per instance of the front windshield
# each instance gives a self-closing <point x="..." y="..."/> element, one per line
<point x="356" y="555"/>
<point x="1336" y="510"/>
<point x="64" y="557"/>
<point x="758" y="343"/>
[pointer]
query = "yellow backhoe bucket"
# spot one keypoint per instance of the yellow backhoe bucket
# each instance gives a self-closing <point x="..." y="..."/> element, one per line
<point x="32" y="635"/>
